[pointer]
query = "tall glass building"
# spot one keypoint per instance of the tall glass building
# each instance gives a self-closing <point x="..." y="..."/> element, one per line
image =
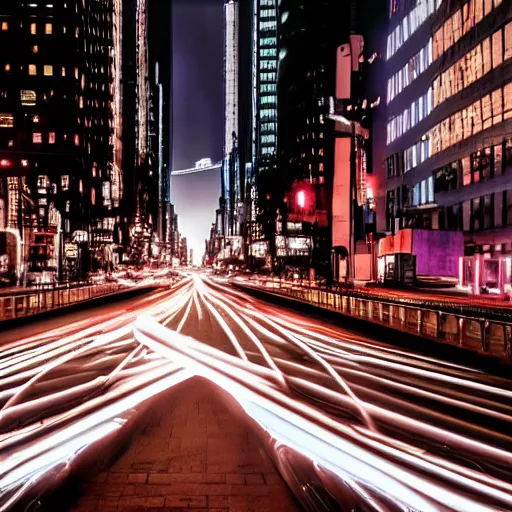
<point x="265" y="63"/>
<point x="449" y="127"/>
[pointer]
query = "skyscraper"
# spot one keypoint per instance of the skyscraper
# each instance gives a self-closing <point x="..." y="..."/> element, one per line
<point x="231" y="167"/>
<point x="160" y="58"/>
<point x="265" y="64"/>
<point x="55" y="147"/>
<point x="449" y="130"/>
<point x="309" y="34"/>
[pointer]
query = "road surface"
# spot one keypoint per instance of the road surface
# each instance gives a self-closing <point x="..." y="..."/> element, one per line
<point x="383" y="427"/>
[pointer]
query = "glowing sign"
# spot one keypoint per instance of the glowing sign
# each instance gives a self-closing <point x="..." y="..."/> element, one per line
<point x="28" y="98"/>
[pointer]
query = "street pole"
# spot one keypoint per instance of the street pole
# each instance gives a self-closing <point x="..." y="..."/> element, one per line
<point x="353" y="157"/>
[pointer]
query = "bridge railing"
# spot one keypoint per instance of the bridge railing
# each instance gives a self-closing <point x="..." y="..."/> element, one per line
<point x="489" y="336"/>
<point x="39" y="300"/>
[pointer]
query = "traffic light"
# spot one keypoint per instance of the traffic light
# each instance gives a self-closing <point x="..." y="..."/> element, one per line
<point x="301" y="199"/>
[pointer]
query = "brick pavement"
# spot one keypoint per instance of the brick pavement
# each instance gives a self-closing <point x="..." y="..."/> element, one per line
<point x="194" y="453"/>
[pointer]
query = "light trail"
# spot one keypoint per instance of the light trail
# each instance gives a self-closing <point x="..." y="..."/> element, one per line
<point x="397" y="430"/>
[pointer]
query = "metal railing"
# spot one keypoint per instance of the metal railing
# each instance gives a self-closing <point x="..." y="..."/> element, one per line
<point x="492" y="337"/>
<point x="39" y="300"/>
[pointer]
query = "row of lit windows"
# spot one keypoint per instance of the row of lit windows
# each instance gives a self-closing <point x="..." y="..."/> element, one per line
<point x="268" y="139"/>
<point x="268" y="64"/>
<point x="268" y="13"/>
<point x="480" y="165"/>
<point x="268" y="77"/>
<point x="460" y="23"/>
<point x="410" y="23"/>
<point x="268" y="88"/>
<point x="268" y="41"/>
<point x="490" y="110"/>
<point x="268" y="25"/>
<point x="267" y="3"/>
<point x="412" y="115"/>
<point x="268" y="52"/>
<point x="268" y="100"/>
<point x="37" y="138"/>
<point x="417" y="65"/>
<point x="266" y="150"/>
<point x="268" y="127"/>
<point x="474" y="65"/>
<point x="423" y="193"/>
<point x="268" y="114"/>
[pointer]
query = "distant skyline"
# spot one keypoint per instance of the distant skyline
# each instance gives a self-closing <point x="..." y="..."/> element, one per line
<point x="198" y="113"/>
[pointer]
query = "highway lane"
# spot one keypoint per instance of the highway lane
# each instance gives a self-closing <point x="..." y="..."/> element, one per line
<point x="387" y="429"/>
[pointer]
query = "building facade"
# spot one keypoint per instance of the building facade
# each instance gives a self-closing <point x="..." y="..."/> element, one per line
<point x="449" y="129"/>
<point x="230" y="174"/>
<point x="309" y="35"/>
<point x="55" y="129"/>
<point x="265" y="64"/>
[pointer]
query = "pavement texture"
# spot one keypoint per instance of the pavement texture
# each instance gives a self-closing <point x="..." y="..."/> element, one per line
<point x="194" y="453"/>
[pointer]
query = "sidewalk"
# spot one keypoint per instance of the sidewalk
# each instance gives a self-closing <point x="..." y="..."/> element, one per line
<point x="196" y="454"/>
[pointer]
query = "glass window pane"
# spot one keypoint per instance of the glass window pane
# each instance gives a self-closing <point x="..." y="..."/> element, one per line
<point x="498" y="159"/>
<point x="486" y="50"/>
<point x="497" y="49"/>
<point x="507" y="96"/>
<point x="508" y="41"/>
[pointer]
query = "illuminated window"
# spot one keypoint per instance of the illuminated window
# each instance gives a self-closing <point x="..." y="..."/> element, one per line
<point x="48" y="70"/>
<point x="6" y="121"/>
<point x="76" y="73"/>
<point x="497" y="106"/>
<point x="48" y="29"/>
<point x="466" y="171"/>
<point x="7" y="67"/>
<point x="28" y="98"/>
<point x="63" y="72"/>
<point x="51" y="138"/>
<point x="486" y="51"/>
<point x="33" y="28"/>
<point x="498" y="159"/>
<point x="35" y="49"/>
<point x="5" y="26"/>
<point x="479" y="10"/>
<point x="64" y="182"/>
<point x="32" y="69"/>
<point x="507" y="95"/>
<point x="497" y="49"/>
<point x="477" y="116"/>
<point x="37" y="138"/>
<point x="457" y="25"/>
<point x="486" y="111"/>
<point x="77" y="32"/>
<point x="77" y="140"/>
<point x="448" y="34"/>
<point x="508" y="41"/>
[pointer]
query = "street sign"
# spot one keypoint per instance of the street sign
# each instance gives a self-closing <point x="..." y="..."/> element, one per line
<point x="71" y="251"/>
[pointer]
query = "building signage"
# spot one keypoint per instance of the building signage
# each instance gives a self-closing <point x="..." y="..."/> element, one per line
<point x="71" y="251"/>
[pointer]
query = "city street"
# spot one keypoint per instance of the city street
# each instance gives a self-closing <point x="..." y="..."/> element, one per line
<point x="386" y="427"/>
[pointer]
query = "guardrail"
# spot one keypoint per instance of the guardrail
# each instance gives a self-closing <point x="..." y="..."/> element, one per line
<point x="37" y="301"/>
<point x="486" y="336"/>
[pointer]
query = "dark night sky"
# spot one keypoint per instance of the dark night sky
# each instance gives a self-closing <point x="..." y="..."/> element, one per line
<point x="198" y="81"/>
<point x="198" y="114"/>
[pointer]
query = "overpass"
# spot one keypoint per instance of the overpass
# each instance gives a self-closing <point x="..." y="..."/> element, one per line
<point x="201" y="166"/>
